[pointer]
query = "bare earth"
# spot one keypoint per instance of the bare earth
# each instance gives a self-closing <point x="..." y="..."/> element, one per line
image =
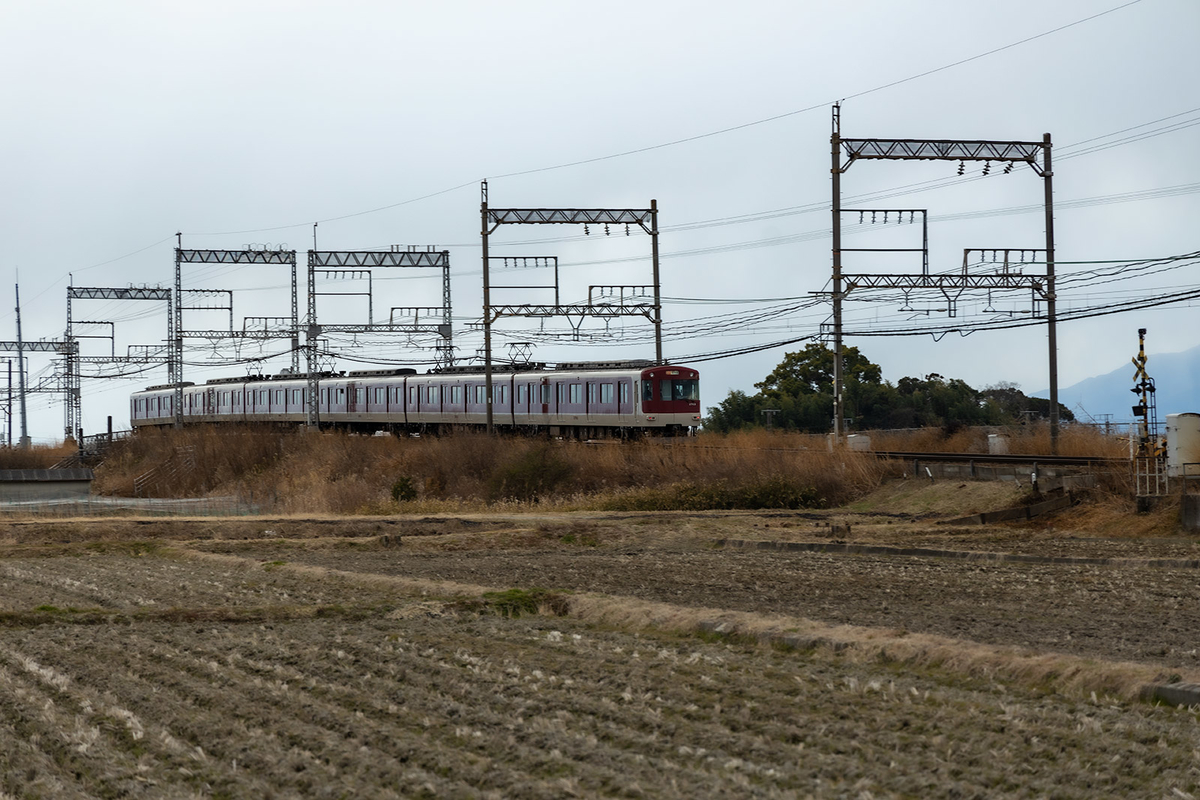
<point x="209" y="659"/>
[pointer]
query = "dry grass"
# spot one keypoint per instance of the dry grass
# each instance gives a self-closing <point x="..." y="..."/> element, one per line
<point x="1055" y="671"/>
<point x="1074" y="440"/>
<point x="341" y="473"/>
<point x="1068" y="674"/>
<point x="36" y="457"/>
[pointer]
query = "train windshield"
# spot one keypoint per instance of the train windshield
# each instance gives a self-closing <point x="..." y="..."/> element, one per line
<point x="681" y="390"/>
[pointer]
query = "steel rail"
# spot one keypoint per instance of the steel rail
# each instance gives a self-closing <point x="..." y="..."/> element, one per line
<point x="1008" y="458"/>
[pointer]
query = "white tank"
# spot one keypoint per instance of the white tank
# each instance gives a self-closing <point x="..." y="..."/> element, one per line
<point x="1183" y="444"/>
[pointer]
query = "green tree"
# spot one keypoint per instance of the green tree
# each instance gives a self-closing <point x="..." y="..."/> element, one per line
<point x="1013" y="404"/>
<point x="810" y="371"/>
<point x="800" y="390"/>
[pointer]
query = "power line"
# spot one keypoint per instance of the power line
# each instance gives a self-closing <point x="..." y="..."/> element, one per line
<point x="697" y="137"/>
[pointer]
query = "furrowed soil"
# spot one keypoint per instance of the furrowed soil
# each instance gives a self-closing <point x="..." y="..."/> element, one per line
<point x="865" y="653"/>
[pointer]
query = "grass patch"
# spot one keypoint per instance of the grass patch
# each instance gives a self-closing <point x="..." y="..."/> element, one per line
<point x="515" y="603"/>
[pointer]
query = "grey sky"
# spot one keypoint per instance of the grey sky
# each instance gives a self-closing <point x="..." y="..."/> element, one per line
<point x="241" y="123"/>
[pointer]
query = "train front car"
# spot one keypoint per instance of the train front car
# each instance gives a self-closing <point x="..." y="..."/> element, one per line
<point x="670" y="398"/>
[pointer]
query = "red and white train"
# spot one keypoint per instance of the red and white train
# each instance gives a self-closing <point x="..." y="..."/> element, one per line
<point x="584" y="400"/>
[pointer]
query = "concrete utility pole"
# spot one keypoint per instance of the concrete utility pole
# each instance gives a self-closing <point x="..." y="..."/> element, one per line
<point x="24" y="443"/>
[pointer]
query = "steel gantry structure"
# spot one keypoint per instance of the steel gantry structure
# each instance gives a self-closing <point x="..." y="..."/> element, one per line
<point x="1036" y="154"/>
<point x="493" y="218"/>
<point x="74" y="402"/>
<point x="69" y="350"/>
<point x="358" y="263"/>
<point x="263" y="256"/>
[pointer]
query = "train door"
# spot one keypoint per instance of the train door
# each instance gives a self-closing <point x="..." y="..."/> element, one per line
<point x="351" y="396"/>
<point x="544" y="389"/>
<point x="624" y="397"/>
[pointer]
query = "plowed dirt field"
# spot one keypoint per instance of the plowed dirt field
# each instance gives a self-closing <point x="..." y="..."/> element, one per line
<point x="371" y="660"/>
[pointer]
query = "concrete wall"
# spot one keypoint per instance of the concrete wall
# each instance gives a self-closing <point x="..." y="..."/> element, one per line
<point x="1189" y="512"/>
<point x="44" y="484"/>
<point x="50" y="490"/>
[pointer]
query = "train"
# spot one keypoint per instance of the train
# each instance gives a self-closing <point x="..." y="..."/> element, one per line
<point x="572" y="400"/>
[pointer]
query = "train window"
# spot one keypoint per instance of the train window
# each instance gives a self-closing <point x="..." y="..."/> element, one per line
<point x="545" y="393"/>
<point x="575" y="393"/>
<point x="591" y="392"/>
<point x="681" y="390"/>
<point x="522" y="393"/>
<point x="560" y="393"/>
<point x="341" y="395"/>
<point x="606" y="393"/>
<point x="623" y="392"/>
<point x="435" y="394"/>
<point x="647" y="391"/>
<point x="456" y="395"/>
<point x="501" y="394"/>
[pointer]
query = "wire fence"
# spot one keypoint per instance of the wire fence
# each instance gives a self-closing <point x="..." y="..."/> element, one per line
<point x="93" y="506"/>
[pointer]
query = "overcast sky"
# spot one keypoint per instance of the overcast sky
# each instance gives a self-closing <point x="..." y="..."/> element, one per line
<point x="244" y="123"/>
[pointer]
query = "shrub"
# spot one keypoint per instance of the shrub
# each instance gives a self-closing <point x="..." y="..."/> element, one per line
<point x="403" y="490"/>
<point x="537" y="471"/>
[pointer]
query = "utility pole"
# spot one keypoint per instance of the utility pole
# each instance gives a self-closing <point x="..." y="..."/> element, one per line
<point x="835" y="140"/>
<point x="24" y="444"/>
<point x="485" y="231"/>
<point x="1051" y="298"/>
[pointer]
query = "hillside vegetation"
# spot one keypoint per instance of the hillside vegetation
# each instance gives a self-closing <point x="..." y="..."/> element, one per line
<point x="333" y="472"/>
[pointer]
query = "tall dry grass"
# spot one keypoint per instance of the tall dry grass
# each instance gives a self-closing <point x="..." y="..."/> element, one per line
<point x="307" y="472"/>
<point x="36" y="457"/>
<point x="1073" y="440"/>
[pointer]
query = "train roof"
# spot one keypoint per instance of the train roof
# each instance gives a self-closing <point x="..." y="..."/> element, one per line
<point x="476" y="369"/>
<point x="584" y="366"/>
<point x="162" y="386"/>
<point x="380" y="373"/>
<point x="460" y="369"/>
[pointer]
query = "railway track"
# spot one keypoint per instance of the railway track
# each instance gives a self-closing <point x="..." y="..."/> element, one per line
<point x="1008" y="458"/>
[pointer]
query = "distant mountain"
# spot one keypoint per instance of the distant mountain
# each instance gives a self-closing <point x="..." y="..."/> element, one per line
<point x="1176" y="377"/>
